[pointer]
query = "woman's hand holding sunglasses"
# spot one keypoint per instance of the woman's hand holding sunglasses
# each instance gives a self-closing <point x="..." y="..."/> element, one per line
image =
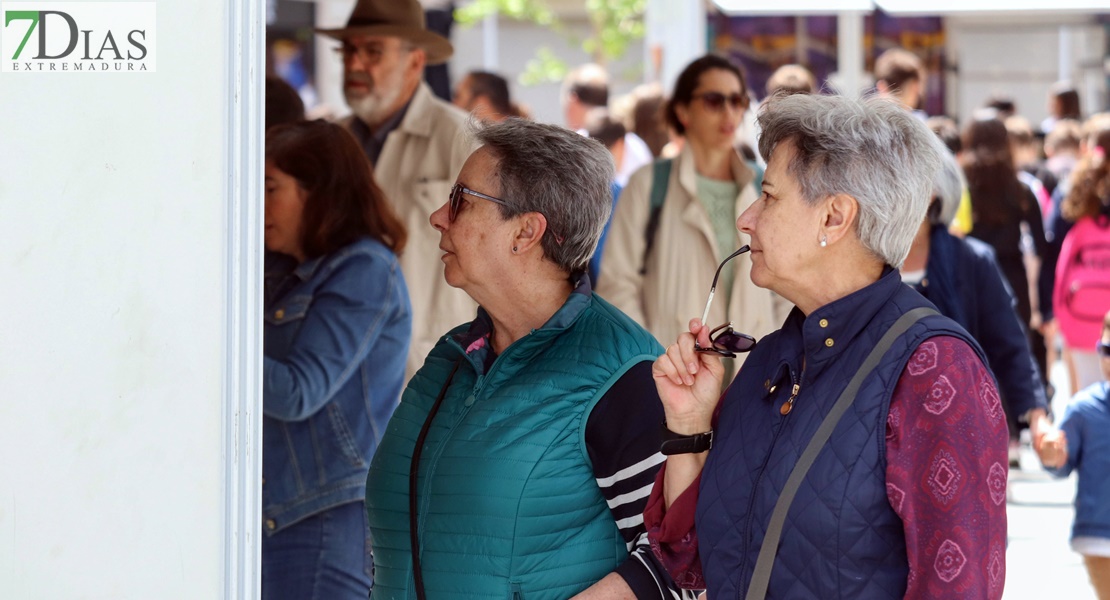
<point x="689" y="375"/>
<point x="689" y="381"/>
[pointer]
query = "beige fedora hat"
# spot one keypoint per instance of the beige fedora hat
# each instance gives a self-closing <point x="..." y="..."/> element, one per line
<point x="395" y="18"/>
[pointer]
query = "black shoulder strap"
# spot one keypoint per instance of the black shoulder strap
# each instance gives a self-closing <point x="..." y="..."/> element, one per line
<point x="761" y="578"/>
<point x="414" y="468"/>
<point x="660" y="178"/>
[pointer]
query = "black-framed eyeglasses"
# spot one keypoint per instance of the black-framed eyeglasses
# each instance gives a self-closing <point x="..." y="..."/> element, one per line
<point x="715" y="101"/>
<point x="455" y="202"/>
<point x="723" y="339"/>
<point x="1103" y="349"/>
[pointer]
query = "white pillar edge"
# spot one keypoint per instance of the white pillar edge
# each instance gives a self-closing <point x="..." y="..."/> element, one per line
<point x="242" y="402"/>
<point x="490" y="50"/>
<point x="1065" y="60"/>
<point x="849" y="50"/>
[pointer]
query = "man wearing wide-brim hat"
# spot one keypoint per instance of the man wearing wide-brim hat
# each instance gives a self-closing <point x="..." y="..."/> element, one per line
<point x="416" y="143"/>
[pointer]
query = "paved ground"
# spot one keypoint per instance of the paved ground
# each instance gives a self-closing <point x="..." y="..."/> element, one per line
<point x="1039" y="563"/>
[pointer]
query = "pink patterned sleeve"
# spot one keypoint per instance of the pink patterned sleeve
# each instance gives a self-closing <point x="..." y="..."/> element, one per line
<point x="946" y="443"/>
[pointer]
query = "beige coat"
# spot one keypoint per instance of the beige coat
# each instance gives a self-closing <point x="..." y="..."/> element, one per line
<point x="683" y="259"/>
<point x="417" y="167"/>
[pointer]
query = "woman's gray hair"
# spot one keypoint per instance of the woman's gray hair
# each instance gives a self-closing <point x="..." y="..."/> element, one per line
<point x="558" y="173"/>
<point x="871" y="149"/>
<point x="948" y="189"/>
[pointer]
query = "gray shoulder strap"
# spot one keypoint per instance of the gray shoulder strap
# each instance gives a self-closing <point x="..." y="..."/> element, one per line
<point x="761" y="578"/>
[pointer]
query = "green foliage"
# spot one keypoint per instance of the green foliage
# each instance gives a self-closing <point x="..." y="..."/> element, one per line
<point x="615" y="24"/>
<point x="535" y="11"/>
<point x="544" y="68"/>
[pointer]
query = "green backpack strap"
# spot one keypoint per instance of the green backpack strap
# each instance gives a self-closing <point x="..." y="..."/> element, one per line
<point x="757" y="172"/>
<point x="660" y="178"/>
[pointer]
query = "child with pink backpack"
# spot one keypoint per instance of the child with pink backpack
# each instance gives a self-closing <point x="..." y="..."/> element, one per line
<point x="1082" y="293"/>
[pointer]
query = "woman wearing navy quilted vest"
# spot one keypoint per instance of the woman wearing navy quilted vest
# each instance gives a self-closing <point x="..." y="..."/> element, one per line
<point x="522" y="454"/>
<point x="337" y="329"/>
<point x="861" y="452"/>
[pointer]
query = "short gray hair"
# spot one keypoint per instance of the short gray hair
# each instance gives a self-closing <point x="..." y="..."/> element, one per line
<point x="558" y="173"/>
<point x="949" y="185"/>
<point x="871" y="149"/>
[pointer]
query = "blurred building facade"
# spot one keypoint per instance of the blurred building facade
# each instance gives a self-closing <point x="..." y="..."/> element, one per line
<point x="969" y="56"/>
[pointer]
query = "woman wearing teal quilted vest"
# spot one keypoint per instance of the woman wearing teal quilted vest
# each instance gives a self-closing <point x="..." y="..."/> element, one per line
<point x="535" y="427"/>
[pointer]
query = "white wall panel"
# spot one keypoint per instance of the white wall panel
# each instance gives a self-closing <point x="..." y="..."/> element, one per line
<point x="116" y="255"/>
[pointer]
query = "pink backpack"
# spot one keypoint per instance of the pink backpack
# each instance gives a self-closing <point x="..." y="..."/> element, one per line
<point x="1082" y="295"/>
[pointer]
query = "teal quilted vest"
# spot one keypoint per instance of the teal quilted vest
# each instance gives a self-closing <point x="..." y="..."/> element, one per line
<point x="508" y="504"/>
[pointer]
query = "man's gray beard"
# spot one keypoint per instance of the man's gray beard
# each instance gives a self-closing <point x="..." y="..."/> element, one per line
<point x="371" y="108"/>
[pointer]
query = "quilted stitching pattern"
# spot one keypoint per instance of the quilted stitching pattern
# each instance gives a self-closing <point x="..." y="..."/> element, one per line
<point x="841" y="533"/>
<point x="511" y="498"/>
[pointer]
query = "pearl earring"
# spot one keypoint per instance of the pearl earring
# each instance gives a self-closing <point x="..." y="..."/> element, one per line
<point x="824" y="241"/>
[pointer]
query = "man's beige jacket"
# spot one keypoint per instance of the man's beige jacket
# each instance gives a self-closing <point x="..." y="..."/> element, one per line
<point x="416" y="170"/>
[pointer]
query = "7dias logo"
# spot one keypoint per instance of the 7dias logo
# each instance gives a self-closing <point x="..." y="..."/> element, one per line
<point x="98" y="37"/>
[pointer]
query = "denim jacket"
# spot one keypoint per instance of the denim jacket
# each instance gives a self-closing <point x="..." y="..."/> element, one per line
<point x="1086" y="424"/>
<point x="336" y="335"/>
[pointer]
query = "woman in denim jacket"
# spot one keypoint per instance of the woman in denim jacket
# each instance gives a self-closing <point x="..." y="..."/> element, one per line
<point x="337" y="329"/>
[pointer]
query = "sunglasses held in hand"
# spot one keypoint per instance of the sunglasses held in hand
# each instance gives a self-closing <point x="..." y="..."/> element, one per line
<point x="723" y="339"/>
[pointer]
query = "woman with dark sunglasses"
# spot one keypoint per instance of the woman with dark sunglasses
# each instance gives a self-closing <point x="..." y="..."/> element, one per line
<point x="861" y="450"/>
<point x="523" y="451"/>
<point x="336" y="333"/>
<point x="677" y="217"/>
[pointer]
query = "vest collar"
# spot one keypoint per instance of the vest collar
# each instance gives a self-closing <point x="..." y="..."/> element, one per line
<point x="831" y="329"/>
<point x="474" y="342"/>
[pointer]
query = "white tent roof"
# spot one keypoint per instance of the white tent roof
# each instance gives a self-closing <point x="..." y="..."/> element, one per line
<point x="792" y="7"/>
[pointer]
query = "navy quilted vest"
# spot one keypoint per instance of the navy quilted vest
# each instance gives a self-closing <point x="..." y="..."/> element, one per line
<point x="841" y="538"/>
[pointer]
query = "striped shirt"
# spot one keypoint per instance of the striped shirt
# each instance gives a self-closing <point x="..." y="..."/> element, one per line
<point x="622" y="438"/>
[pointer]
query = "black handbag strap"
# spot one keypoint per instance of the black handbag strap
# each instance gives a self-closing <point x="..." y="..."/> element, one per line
<point x="414" y="468"/>
<point x="761" y="578"/>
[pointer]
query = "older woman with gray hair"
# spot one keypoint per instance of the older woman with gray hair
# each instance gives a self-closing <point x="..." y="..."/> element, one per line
<point x="861" y="450"/>
<point x="962" y="278"/>
<point x="522" y="454"/>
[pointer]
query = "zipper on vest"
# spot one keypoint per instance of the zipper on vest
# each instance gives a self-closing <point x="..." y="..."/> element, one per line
<point x="477" y="389"/>
<point x="797" y="381"/>
<point x="789" y="404"/>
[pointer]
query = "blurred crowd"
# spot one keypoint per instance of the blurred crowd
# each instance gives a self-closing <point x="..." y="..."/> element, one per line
<point x="475" y="324"/>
